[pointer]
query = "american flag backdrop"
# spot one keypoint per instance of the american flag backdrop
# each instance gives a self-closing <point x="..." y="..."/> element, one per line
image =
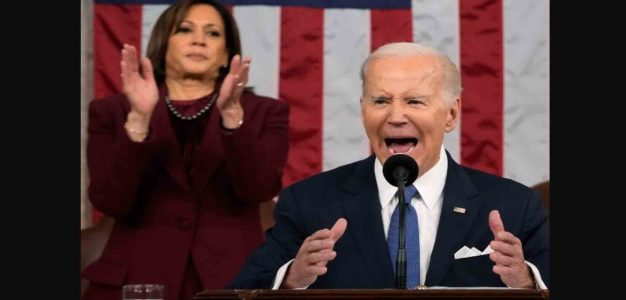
<point x="308" y="53"/>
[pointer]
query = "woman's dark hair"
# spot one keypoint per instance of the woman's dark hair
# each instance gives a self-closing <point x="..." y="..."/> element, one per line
<point x="171" y="18"/>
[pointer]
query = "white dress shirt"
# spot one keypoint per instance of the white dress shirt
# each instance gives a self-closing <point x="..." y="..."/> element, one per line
<point x="428" y="207"/>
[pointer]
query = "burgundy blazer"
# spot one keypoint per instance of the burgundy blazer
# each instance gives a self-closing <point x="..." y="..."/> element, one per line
<point x="163" y="214"/>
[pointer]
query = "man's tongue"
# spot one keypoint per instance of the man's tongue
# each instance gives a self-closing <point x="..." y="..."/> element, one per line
<point x="400" y="148"/>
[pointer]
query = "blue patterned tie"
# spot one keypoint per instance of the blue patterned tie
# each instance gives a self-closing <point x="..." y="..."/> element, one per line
<point x="412" y="239"/>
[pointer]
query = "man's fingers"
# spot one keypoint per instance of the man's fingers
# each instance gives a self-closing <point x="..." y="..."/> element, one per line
<point x="338" y="229"/>
<point x="316" y="242"/>
<point x="320" y="258"/>
<point x="507" y="237"/>
<point x="505" y="248"/>
<point x="316" y="250"/>
<point x="501" y="259"/>
<point x="502" y="270"/>
<point x="334" y="233"/>
<point x="315" y="270"/>
<point x="318" y="245"/>
<point x="318" y="235"/>
<point x="495" y="222"/>
<point x="507" y="244"/>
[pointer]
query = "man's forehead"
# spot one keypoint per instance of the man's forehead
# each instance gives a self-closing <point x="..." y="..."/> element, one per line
<point x="416" y="78"/>
<point x="402" y="67"/>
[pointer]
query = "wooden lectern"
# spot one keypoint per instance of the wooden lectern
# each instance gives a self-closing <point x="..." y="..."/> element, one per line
<point x="427" y="293"/>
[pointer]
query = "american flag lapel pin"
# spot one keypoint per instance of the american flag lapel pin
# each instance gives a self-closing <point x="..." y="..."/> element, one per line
<point x="459" y="210"/>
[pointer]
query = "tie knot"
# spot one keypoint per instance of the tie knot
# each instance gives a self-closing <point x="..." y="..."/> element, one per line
<point x="409" y="192"/>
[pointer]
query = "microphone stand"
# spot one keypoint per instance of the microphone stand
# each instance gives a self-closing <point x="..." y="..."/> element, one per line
<point x="401" y="259"/>
<point x="400" y="169"/>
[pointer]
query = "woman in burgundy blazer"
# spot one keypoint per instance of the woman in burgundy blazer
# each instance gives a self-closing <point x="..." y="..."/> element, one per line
<point x="182" y="158"/>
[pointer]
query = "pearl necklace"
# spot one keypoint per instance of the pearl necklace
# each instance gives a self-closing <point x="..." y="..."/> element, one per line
<point x="196" y="115"/>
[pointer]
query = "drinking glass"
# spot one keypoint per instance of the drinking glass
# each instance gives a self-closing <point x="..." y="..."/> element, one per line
<point x="143" y="292"/>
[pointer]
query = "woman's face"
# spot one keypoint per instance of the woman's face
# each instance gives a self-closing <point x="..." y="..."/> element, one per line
<point x="197" y="48"/>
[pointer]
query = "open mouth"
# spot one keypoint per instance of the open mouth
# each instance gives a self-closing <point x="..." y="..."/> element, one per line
<point x="400" y="145"/>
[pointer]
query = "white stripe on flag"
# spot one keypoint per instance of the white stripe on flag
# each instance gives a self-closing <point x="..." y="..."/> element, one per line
<point x="259" y="26"/>
<point x="346" y="45"/>
<point x="149" y="15"/>
<point x="526" y="92"/>
<point x="436" y="23"/>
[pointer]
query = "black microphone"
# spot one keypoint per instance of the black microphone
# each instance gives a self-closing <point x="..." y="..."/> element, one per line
<point x="401" y="170"/>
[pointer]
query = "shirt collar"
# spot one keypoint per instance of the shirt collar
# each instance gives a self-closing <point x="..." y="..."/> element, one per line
<point x="430" y="184"/>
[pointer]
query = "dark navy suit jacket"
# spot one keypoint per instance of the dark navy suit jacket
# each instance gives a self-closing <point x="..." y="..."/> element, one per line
<point x="363" y="259"/>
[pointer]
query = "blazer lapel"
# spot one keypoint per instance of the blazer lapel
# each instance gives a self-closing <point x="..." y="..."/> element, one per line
<point x="169" y="155"/>
<point x="453" y="227"/>
<point x="365" y="223"/>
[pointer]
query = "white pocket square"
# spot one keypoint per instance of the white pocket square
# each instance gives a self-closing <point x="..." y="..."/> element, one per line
<point x="465" y="252"/>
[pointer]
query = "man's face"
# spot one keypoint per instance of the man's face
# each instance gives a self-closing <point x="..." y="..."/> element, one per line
<point x="403" y="108"/>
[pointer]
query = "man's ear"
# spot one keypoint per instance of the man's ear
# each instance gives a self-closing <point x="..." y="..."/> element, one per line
<point x="362" y="112"/>
<point x="454" y="113"/>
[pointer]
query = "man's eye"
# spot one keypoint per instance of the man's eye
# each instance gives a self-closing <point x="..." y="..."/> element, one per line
<point x="379" y="101"/>
<point x="414" y="102"/>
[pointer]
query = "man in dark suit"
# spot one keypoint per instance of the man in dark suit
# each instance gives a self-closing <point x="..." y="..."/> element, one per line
<point x="411" y="98"/>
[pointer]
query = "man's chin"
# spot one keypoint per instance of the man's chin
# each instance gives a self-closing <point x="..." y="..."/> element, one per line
<point x="385" y="154"/>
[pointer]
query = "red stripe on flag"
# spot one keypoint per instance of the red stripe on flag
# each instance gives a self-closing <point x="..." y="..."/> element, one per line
<point x="301" y="85"/>
<point x="390" y="25"/>
<point x="482" y="77"/>
<point x="113" y="26"/>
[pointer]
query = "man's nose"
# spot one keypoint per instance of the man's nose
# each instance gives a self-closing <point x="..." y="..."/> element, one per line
<point x="397" y="114"/>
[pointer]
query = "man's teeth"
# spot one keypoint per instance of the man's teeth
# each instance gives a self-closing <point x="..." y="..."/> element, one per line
<point x="394" y="152"/>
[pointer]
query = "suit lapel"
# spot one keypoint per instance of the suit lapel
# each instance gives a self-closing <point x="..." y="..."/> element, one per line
<point x="458" y="191"/>
<point x="365" y="223"/>
<point x="169" y="155"/>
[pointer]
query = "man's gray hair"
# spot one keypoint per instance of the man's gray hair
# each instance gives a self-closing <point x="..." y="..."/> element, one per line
<point x="451" y="76"/>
